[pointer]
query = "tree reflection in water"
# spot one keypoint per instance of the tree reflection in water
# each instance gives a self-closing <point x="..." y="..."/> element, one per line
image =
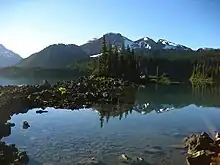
<point x="160" y="100"/>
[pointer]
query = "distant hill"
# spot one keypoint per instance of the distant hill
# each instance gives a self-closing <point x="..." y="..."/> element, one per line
<point x="54" y="56"/>
<point x="7" y="57"/>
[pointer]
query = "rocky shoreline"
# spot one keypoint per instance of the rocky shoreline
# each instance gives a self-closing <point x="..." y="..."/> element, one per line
<point x="76" y="94"/>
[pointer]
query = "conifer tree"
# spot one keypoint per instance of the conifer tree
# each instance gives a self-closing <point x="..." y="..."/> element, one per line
<point x="109" y="60"/>
<point x="103" y="58"/>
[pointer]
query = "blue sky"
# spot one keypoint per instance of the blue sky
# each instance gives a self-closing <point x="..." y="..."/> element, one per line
<point x="27" y="26"/>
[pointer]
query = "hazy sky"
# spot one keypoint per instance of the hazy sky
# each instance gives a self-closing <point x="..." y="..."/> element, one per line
<point x="27" y="26"/>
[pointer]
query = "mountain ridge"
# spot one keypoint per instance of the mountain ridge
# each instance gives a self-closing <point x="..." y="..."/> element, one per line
<point x="93" y="46"/>
<point x="60" y="55"/>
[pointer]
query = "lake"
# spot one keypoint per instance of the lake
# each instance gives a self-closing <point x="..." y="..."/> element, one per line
<point x="152" y="128"/>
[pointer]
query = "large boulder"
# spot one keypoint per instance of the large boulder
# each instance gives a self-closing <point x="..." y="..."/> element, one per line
<point x="201" y="149"/>
<point x="45" y="84"/>
<point x="11" y="155"/>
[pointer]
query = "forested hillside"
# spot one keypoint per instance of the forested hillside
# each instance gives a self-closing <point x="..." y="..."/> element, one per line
<point x="170" y="65"/>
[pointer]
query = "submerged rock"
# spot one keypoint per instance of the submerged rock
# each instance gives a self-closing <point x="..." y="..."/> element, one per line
<point x="125" y="157"/>
<point x="153" y="150"/>
<point x="90" y="162"/>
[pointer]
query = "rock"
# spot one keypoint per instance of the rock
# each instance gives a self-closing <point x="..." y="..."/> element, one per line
<point x="23" y="157"/>
<point x="198" y="142"/>
<point x="41" y="111"/>
<point x="125" y="158"/>
<point x="201" y="159"/>
<point x="139" y="159"/>
<point x="105" y="94"/>
<point x="154" y="150"/>
<point x="90" y="162"/>
<point x="10" y="155"/>
<point x="5" y="130"/>
<point x="10" y="124"/>
<point x="45" y="84"/>
<point x="13" y="148"/>
<point x="217" y="138"/>
<point x="26" y="125"/>
<point x="201" y="148"/>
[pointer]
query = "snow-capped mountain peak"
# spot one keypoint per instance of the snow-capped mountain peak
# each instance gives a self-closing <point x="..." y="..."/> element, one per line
<point x="164" y="44"/>
<point x="146" y="38"/>
<point x="93" y="47"/>
<point x="144" y="43"/>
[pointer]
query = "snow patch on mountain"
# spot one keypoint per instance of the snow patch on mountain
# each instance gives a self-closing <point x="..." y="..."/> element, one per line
<point x="147" y="46"/>
<point x="167" y="44"/>
<point x="146" y="38"/>
<point x="96" y="55"/>
<point x="145" y="42"/>
<point x="171" y="45"/>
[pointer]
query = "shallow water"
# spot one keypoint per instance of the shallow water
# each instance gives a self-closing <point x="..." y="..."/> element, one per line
<point x="153" y="129"/>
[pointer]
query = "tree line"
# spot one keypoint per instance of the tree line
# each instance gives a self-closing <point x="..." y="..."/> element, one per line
<point x="180" y="66"/>
<point x="116" y="62"/>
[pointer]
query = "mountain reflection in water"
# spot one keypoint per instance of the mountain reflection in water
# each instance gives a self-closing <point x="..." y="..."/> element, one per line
<point x="153" y="121"/>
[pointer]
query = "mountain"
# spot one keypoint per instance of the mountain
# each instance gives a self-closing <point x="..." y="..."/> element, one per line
<point x="164" y="44"/>
<point x="207" y="49"/>
<point x="144" y="43"/>
<point x="54" y="56"/>
<point x="93" y="47"/>
<point x="7" y="57"/>
<point x="61" y="55"/>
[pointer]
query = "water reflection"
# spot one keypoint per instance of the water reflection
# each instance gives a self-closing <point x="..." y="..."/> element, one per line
<point x="160" y="99"/>
<point x="166" y="98"/>
<point x="107" y="111"/>
<point x="145" y="125"/>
